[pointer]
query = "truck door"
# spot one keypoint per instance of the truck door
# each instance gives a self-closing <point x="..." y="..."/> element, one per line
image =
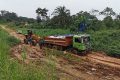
<point x="78" y="43"/>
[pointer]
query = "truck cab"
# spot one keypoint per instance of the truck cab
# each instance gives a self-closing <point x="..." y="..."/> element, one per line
<point x="81" y="42"/>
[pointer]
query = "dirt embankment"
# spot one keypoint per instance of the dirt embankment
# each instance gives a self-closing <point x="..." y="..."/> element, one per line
<point x="91" y="67"/>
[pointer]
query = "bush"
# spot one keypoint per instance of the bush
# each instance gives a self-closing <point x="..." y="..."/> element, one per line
<point x="12" y="41"/>
<point x="107" y="41"/>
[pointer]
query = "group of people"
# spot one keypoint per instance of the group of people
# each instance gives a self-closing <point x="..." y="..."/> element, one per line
<point x="31" y="40"/>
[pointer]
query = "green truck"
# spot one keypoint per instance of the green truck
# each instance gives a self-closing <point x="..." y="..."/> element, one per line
<point x="79" y="43"/>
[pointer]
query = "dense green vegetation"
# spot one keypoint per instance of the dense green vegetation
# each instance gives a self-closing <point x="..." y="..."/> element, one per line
<point x="106" y="41"/>
<point x="45" y="32"/>
<point x="104" y="32"/>
<point x="10" y="69"/>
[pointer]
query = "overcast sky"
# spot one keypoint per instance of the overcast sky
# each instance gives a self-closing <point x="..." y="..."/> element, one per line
<point x="27" y="7"/>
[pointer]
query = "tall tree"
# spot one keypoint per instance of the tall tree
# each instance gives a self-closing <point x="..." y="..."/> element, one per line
<point x="44" y="14"/>
<point x="94" y="12"/>
<point x="82" y="17"/>
<point x="62" y="16"/>
<point x="3" y="12"/>
<point x="118" y="17"/>
<point x="8" y="16"/>
<point x="39" y="11"/>
<point x="41" y="14"/>
<point x="108" y="12"/>
<point x="108" y="21"/>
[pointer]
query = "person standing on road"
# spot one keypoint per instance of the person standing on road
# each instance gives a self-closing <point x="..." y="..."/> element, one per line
<point x="41" y="43"/>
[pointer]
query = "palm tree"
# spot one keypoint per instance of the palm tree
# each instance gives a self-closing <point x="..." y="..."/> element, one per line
<point x="63" y="15"/>
<point x="41" y="13"/>
<point x="61" y="11"/>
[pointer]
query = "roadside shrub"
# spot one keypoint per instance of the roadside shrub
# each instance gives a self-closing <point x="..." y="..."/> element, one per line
<point x="12" y="41"/>
<point x="107" y="41"/>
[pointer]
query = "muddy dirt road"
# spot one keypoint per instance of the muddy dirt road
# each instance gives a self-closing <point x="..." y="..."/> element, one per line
<point x="91" y="67"/>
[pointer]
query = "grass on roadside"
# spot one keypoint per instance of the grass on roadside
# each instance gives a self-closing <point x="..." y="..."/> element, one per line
<point x="10" y="69"/>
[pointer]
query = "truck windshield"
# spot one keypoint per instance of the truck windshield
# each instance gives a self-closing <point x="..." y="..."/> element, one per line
<point x="82" y="40"/>
<point x="78" y="40"/>
<point x="86" y="39"/>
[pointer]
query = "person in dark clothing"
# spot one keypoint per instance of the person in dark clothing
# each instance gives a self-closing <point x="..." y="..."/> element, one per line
<point x="29" y="36"/>
<point x="41" y="43"/>
<point x="30" y="33"/>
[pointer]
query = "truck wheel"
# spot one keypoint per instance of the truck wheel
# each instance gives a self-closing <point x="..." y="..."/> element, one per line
<point x="83" y="53"/>
<point x="54" y="47"/>
<point x="50" y="46"/>
<point x="75" y="51"/>
<point x="62" y="48"/>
